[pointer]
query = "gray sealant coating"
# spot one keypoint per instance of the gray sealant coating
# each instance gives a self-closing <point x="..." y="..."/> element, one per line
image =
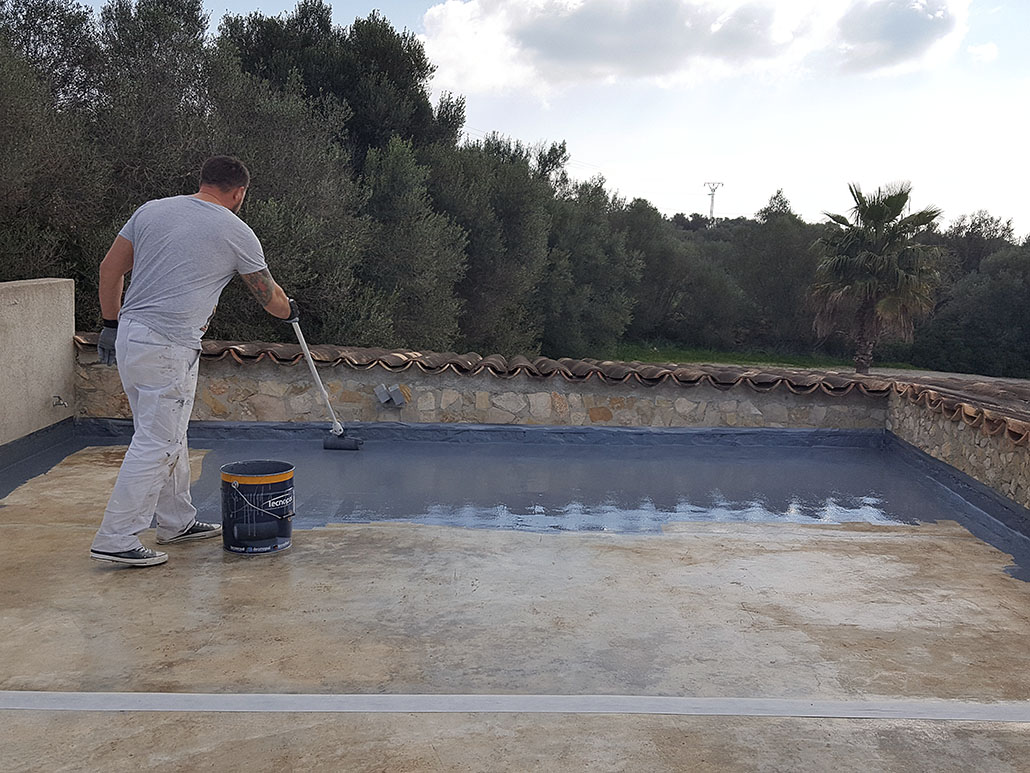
<point x="592" y="479"/>
<point x="540" y="487"/>
<point x="610" y="487"/>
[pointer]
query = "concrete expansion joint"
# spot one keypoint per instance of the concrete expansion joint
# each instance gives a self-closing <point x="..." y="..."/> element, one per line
<point x="931" y="710"/>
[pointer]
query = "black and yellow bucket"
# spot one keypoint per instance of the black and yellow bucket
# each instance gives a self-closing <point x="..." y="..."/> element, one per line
<point x="257" y="506"/>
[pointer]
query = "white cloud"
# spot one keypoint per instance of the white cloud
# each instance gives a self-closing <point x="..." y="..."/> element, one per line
<point x="471" y="45"/>
<point x="988" y="52"/>
<point x="893" y="35"/>
<point x="543" y="45"/>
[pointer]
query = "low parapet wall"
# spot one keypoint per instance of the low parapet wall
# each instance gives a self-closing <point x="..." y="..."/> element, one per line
<point x="271" y="383"/>
<point x="268" y="388"/>
<point x="984" y="444"/>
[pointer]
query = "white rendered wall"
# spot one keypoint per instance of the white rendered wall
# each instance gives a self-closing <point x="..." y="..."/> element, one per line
<point x="37" y="355"/>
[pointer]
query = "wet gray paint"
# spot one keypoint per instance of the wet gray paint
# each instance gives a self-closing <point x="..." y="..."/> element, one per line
<point x="588" y="488"/>
<point x="608" y="487"/>
<point x="547" y="480"/>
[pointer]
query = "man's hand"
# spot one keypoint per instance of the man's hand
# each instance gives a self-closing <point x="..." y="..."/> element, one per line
<point x="105" y="345"/>
<point x="294" y="313"/>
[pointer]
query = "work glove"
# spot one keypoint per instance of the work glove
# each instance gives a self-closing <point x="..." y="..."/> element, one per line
<point x="105" y="345"/>
<point x="294" y="313"/>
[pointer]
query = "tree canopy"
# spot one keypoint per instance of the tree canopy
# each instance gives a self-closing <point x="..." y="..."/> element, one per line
<point x="392" y="230"/>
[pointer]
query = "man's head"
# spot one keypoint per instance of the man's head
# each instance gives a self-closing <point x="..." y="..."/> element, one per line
<point x="229" y="176"/>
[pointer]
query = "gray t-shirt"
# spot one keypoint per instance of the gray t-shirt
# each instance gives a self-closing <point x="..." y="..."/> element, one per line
<point x="185" y="251"/>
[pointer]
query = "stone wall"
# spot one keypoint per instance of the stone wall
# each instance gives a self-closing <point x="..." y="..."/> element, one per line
<point x="266" y="391"/>
<point x="37" y="323"/>
<point x="994" y="460"/>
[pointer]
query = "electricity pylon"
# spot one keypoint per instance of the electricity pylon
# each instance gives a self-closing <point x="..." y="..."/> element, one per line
<point x="713" y="187"/>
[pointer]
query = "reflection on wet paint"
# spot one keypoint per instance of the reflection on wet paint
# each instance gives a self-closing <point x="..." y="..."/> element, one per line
<point x="596" y="488"/>
<point x="614" y="514"/>
<point x="645" y="517"/>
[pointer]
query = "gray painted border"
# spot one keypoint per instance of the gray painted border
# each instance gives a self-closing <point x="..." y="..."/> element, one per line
<point x="507" y="433"/>
<point x="981" y="496"/>
<point x="37" y="442"/>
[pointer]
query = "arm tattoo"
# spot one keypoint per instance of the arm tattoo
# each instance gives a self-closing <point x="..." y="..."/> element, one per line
<point x="260" y="284"/>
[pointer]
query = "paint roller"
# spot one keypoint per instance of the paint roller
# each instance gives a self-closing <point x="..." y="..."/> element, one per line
<point x="335" y="440"/>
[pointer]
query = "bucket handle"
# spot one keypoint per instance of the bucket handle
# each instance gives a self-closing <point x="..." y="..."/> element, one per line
<point x="236" y="488"/>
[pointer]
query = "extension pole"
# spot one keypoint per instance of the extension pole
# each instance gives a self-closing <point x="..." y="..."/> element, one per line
<point x="337" y="427"/>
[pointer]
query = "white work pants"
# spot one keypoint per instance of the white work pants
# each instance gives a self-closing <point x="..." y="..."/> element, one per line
<point x="160" y="380"/>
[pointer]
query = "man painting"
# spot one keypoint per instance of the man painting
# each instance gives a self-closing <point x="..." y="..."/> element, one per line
<point x="182" y="252"/>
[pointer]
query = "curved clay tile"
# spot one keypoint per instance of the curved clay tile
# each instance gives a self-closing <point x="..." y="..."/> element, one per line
<point x="1018" y="432"/>
<point x="581" y="369"/>
<point x="688" y="376"/>
<point x="433" y="362"/>
<point x="495" y="363"/>
<point x="653" y="374"/>
<point x="522" y="364"/>
<point x="547" y="367"/>
<point x="616" y="371"/>
<point x="764" y="382"/>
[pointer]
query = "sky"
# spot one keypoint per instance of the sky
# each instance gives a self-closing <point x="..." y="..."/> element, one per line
<point x="660" y="97"/>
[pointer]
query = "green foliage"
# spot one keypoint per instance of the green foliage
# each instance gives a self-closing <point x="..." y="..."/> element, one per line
<point x="149" y="126"/>
<point x="710" y="316"/>
<point x="50" y="185"/>
<point x="314" y="234"/>
<point x="381" y="75"/>
<point x="983" y="325"/>
<point x="778" y="207"/>
<point x="416" y="256"/>
<point x="587" y="299"/>
<point x="489" y="189"/>
<point x="684" y="293"/>
<point x="774" y="262"/>
<point x="58" y="41"/>
<point x="664" y="352"/>
<point x="971" y="238"/>
<point x="667" y="262"/>
<point x="696" y="222"/>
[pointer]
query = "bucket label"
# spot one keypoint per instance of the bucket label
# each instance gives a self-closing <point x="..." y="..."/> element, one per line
<point x="282" y="501"/>
<point x="257" y="506"/>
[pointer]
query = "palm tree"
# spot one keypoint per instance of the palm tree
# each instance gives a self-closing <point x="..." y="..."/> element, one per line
<point x="874" y="277"/>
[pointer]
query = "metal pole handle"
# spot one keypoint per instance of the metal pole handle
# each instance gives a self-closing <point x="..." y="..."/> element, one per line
<point x="337" y="427"/>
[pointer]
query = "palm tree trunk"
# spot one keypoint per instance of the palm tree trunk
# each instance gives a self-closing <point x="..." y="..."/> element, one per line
<point x="865" y="338"/>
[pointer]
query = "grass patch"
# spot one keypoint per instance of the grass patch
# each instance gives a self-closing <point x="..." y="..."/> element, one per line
<point x="659" y="352"/>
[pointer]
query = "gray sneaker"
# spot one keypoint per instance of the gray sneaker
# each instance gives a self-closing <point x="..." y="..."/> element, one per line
<point x="198" y="530"/>
<point x="140" y="556"/>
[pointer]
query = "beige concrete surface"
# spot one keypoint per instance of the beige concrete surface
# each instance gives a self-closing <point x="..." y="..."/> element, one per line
<point x="547" y="743"/>
<point x="721" y="610"/>
<point x="37" y="326"/>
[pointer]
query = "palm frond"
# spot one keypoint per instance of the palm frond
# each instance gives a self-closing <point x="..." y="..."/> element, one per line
<point x="917" y="221"/>
<point x="872" y="267"/>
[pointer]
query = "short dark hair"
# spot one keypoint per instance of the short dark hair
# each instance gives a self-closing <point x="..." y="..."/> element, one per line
<point x="224" y="172"/>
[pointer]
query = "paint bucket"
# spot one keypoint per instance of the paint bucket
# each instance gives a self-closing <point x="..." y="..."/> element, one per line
<point x="257" y="506"/>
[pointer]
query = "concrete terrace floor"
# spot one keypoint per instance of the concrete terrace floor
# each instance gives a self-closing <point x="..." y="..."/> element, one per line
<point x="890" y="619"/>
